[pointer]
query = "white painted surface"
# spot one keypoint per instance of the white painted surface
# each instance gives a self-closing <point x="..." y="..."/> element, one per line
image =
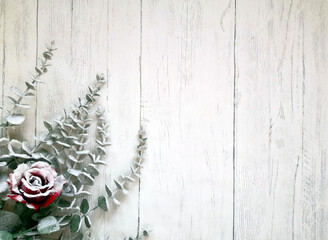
<point x="233" y="94"/>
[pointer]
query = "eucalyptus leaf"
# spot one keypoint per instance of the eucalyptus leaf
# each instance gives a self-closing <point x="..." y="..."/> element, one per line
<point x="47" y="55"/>
<point x="29" y="95"/>
<point x="9" y="221"/>
<point x="84" y="206"/>
<point x="103" y="203"/>
<point x="47" y="125"/>
<point x="118" y="184"/>
<point x="48" y="225"/>
<point x="26" y="147"/>
<point x="30" y="86"/>
<point x="63" y="144"/>
<point x="16" y="91"/>
<point x="75" y="223"/>
<point x="15" y="119"/>
<point x="38" y="70"/>
<point x="63" y="203"/>
<point x="4" y="142"/>
<point x="87" y="221"/>
<point x="128" y="178"/>
<point x="109" y="191"/>
<point x="92" y="169"/>
<point x="72" y="158"/>
<point x="12" y="100"/>
<point x="26" y="106"/>
<point x="84" y="152"/>
<point x="6" y="235"/>
<point x="145" y="233"/>
<point x="74" y="172"/>
<point x="89" y="97"/>
<point x="116" y="202"/>
<point x="101" y="150"/>
<point x="12" y="164"/>
<point x="67" y="210"/>
<point x="86" y="179"/>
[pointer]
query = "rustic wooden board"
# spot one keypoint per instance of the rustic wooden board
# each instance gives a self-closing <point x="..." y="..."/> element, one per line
<point x="187" y="97"/>
<point x="279" y="164"/>
<point x="233" y="95"/>
<point x="313" y="207"/>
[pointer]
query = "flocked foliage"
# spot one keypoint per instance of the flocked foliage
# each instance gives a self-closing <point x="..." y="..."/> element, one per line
<point x="67" y="148"/>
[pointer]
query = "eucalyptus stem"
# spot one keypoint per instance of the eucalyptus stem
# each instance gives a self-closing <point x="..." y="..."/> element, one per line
<point x="16" y="235"/>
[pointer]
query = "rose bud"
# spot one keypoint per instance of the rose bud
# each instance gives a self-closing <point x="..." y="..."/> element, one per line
<point x="36" y="185"/>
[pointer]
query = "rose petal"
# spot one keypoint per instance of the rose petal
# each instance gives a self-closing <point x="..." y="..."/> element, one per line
<point x="30" y="189"/>
<point x="50" y="199"/>
<point x="14" y="179"/>
<point x="47" y="179"/>
<point x="41" y="165"/>
<point x="60" y="181"/>
<point x="35" y="206"/>
<point x="34" y="198"/>
<point x="17" y="198"/>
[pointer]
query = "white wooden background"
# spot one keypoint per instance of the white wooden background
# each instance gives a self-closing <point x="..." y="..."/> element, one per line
<point x="233" y="93"/>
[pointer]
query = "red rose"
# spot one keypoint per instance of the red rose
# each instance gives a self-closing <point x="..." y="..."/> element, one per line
<point x="36" y="185"/>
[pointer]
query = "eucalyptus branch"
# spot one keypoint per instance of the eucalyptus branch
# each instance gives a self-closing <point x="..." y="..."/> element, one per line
<point x="67" y="122"/>
<point x="13" y="118"/>
<point x="120" y="185"/>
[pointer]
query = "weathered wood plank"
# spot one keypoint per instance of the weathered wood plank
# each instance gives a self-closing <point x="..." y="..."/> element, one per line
<point x="19" y="56"/>
<point x="278" y="191"/>
<point x="313" y="217"/>
<point x="187" y="97"/>
<point x="124" y="107"/>
<point x="268" y="113"/>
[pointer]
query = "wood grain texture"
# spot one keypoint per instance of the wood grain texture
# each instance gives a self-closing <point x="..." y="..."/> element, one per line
<point x="313" y="193"/>
<point x="279" y="183"/>
<point x="187" y="97"/>
<point x="124" y="107"/>
<point x="233" y="95"/>
<point x="268" y="112"/>
<point x="19" y="35"/>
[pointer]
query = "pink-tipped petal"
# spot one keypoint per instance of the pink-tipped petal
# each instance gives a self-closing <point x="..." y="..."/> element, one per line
<point x="34" y="206"/>
<point x="17" y="198"/>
